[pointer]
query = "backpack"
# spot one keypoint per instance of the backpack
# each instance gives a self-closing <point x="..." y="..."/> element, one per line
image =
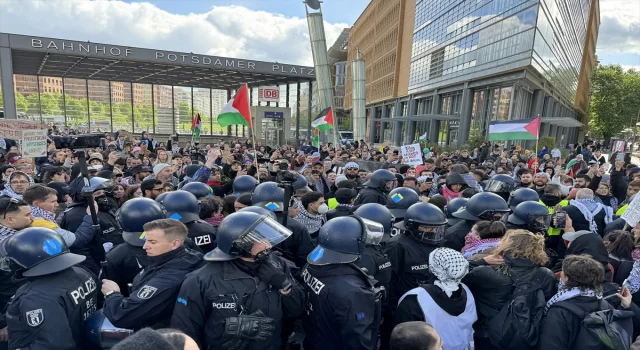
<point x="517" y="325"/>
<point x="604" y="329"/>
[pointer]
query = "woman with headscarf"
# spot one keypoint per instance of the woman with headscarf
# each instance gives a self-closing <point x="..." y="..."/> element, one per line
<point x="17" y="183"/>
<point x="454" y="186"/>
<point x="447" y="304"/>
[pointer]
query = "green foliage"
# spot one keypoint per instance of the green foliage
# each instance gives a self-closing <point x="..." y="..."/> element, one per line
<point x="548" y="141"/>
<point x="614" y="100"/>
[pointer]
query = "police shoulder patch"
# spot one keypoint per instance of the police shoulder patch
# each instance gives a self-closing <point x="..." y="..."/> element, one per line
<point x="146" y="292"/>
<point x="35" y="317"/>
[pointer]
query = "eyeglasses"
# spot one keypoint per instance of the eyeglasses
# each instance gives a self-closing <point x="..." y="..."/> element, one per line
<point x="9" y="203"/>
<point x="23" y="182"/>
<point x="158" y="189"/>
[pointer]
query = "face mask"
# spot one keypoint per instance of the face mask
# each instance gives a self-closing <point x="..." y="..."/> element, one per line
<point x="323" y="209"/>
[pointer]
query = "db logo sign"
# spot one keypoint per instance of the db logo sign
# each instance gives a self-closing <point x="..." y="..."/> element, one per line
<point x="269" y="94"/>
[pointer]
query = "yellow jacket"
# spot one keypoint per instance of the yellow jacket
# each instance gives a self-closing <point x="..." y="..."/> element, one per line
<point x="622" y="209"/>
<point x="332" y="203"/>
<point x="552" y="230"/>
<point x="40" y="222"/>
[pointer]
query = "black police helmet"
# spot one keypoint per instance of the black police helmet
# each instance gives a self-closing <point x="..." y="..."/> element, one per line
<point x="340" y="241"/>
<point x="100" y="183"/>
<point x="182" y="205"/>
<point x="378" y="213"/>
<point x="61" y="188"/>
<point x="454" y="206"/>
<point x="132" y="216"/>
<point x="239" y="231"/>
<point x="259" y="211"/>
<point x="301" y="182"/>
<point x="483" y="206"/>
<point x="268" y="195"/>
<point x="161" y="196"/>
<point x="424" y="214"/>
<point x="400" y="199"/>
<point x="502" y="185"/>
<point x="382" y="179"/>
<point x="522" y="195"/>
<point x="244" y="184"/>
<point x="39" y="251"/>
<point x="102" y="333"/>
<point x="198" y="189"/>
<point x="534" y="215"/>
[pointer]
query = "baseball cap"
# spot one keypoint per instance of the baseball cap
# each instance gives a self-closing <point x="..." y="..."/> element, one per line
<point x="97" y="156"/>
<point x="316" y="155"/>
<point x="572" y="236"/>
<point x="141" y="168"/>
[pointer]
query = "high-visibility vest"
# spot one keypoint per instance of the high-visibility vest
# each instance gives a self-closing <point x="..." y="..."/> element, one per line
<point x="622" y="209"/>
<point x="332" y="203"/>
<point x="552" y="230"/>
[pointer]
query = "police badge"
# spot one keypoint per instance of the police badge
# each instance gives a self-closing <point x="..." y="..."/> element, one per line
<point x="35" y="317"/>
<point x="146" y="292"/>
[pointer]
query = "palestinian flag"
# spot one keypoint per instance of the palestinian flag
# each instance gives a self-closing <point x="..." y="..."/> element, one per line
<point x="324" y="121"/>
<point x="316" y="138"/>
<point x="196" y="126"/>
<point x="521" y="129"/>
<point x="237" y="110"/>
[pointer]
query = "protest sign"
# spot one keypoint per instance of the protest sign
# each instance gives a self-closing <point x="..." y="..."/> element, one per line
<point x="618" y="146"/>
<point x="632" y="215"/>
<point x="34" y="143"/>
<point x="12" y="129"/>
<point x="411" y="154"/>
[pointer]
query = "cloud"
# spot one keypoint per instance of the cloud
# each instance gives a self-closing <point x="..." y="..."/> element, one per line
<point x="230" y="31"/>
<point x="619" y="27"/>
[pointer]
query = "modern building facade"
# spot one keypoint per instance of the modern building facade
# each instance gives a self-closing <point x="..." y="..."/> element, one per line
<point x="475" y="61"/>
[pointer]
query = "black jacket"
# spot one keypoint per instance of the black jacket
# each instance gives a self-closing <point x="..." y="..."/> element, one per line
<point x="9" y="284"/>
<point x="222" y="289"/>
<point x="297" y="247"/>
<point x="618" y="184"/>
<point x="455" y="235"/>
<point x="377" y="264"/>
<point x="154" y="291"/>
<point x="342" y="310"/>
<point x="124" y="263"/>
<point x="581" y="224"/>
<point x="371" y="195"/>
<point x="48" y="312"/>
<point x="203" y="234"/>
<point x="338" y="212"/>
<point x="492" y="288"/>
<point x="409" y="264"/>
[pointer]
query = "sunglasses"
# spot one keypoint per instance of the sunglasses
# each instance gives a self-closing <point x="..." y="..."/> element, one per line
<point x="12" y="201"/>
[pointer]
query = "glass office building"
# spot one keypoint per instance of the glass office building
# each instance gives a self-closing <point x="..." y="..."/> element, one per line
<point x="476" y="61"/>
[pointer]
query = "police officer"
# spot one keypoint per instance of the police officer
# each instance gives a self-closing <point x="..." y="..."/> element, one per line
<point x="482" y="206"/>
<point x="502" y="185"/>
<point x="244" y="184"/>
<point x="453" y="206"/>
<point x="398" y="201"/>
<point x="522" y="195"/>
<point x="125" y="261"/>
<point x="155" y="289"/>
<point x="198" y="189"/>
<point x="375" y="190"/>
<point x="49" y="310"/>
<point x="184" y="206"/>
<point x="373" y="257"/>
<point x="343" y="307"/>
<point x="532" y="216"/>
<point x="239" y="298"/>
<point x="296" y="248"/>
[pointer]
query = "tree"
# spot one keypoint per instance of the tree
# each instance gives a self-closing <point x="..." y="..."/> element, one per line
<point x="614" y="100"/>
<point x="21" y="102"/>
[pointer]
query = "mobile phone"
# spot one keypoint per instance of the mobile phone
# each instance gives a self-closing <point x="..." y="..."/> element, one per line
<point x="620" y="157"/>
<point x="624" y="283"/>
<point x="561" y="219"/>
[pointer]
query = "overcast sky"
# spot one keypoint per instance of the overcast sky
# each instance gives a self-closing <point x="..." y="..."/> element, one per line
<point x="269" y="30"/>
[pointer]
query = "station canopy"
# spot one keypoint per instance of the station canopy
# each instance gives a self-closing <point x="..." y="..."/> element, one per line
<point x="88" y="60"/>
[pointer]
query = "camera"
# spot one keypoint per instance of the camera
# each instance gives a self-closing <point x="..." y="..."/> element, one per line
<point x="286" y="176"/>
<point x="78" y="141"/>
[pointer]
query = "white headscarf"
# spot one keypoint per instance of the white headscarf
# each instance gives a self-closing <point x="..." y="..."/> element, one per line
<point x="449" y="267"/>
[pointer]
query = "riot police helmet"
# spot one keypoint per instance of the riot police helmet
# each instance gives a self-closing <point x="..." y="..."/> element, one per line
<point x="247" y="234"/>
<point x="260" y="211"/>
<point x="198" y="189"/>
<point x="191" y="170"/>
<point x="378" y="213"/>
<point x="454" y="205"/>
<point x="383" y="180"/>
<point x="400" y="199"/>
<point x="132" y="216"/>
<point x="182" y="205"/>
<point x="533" y="216"/>
<point x="268" y="195"/>
<point x="522" y="195"/>
<point x="100" y="183"/>
<point x="501" y="185"/>
<point x="161" y="196"/>
<point x="102" y="333"/>
<point x="484" y="206"/>
<point x="244" y="184"/>
<point x="39" y="251"/>
<point x="425" y="222"/>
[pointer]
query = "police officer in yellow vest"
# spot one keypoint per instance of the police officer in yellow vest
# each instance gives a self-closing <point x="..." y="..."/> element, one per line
<point x="552" y="199"/>
<point x="632" y="189"/>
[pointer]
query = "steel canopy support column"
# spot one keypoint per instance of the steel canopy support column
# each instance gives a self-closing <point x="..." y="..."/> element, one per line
<point x="133" y="121"/>
<point x="64" y="104"/>
<point x="396" y="132"/>
<point x="86" y="85"/>
<point x="310" y="138"/>
<point x="297" y="113"/>
<point x="465" y="115"/>
<point x="434" y="125"/>
<point x="173" y="110"/>
<point x="410" y="134"/>
<point x="110" y="107"/>
<point x="229" y="127"/>
<point x="372" y="124"/>
<point x="153" y="110"/>
<point x="40" y="100"/>
<point x="8" y="89"/>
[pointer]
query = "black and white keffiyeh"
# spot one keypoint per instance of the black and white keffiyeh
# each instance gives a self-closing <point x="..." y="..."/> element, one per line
<point x="5" y="233"/>
<point x="590" y="208"/>
<point x="449" y="267"/>
<point x="310" y="221"/>
<point x="565" y="294"/>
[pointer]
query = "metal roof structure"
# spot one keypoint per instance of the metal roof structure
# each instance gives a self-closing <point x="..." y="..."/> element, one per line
<point x="88" y="60"/>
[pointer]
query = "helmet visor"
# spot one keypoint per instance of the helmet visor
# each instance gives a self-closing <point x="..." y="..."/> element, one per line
<point x="390" y="185"/>
<point x="498" y="186"/>
<point x="539" y="223"/>
<point x="373" y="232"/>
<point x="431" y="234"/>
<point x="491" y="215"/>
<point x="266" y="233"/>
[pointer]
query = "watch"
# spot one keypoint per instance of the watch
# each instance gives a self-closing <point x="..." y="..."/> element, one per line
<point x="109" y="293"/>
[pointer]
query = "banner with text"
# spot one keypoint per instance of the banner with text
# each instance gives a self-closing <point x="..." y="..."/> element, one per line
<point x="34" y="143"/>
<point x="632" y="215"/>
<point x="12" y="129"/>
<point x="411" y="154"/>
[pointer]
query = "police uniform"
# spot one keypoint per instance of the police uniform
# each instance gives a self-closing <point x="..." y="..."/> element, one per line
<point x="223" y="289"/>
<point x="48" y="312"/>
<point x="298" y="246"/>
<point x="455" y="235"/>
<point x="371" y="195"/>
<point x="342" y="309"/>
<point x="377" y="264"/>
<point x="203" y="234"/>
<point x="154" y="291"/>
<point x="124" y="263"/>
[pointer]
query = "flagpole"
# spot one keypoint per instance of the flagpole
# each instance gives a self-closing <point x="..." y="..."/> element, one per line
<point x="253" y="136"/>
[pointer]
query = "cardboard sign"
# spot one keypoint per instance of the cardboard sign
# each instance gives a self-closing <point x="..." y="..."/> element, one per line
<point x="34" y="143"/>
<point x="412" y="154"/>
<point x="632" y="215"/>
<point x="12" y="128"/>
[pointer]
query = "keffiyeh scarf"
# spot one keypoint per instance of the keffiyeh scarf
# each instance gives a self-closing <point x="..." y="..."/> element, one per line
<point x="474" y="245"/>
<point x="566" y="294"/>
<point x="633" y="281"/>
<point x="449" y="194"/>
<point x="41" y="213"/>
<point x="311" y="222"/>
<point x="5" y="233"/>
<point x="215" y="219"/>
<point x="449" y="267"/>
<point x="590" y="208"/>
